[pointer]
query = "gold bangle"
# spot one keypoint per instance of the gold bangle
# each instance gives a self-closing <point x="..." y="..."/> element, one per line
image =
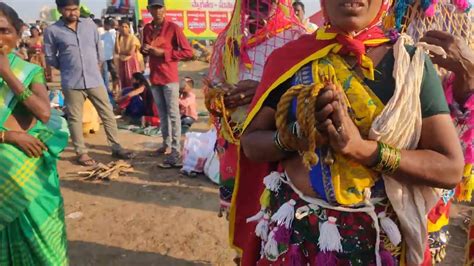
<point x="2" y="137"/>
<point x="388" y="160"/>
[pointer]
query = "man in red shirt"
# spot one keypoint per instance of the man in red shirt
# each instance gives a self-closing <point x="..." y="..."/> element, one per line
<point x="165" y="44"/>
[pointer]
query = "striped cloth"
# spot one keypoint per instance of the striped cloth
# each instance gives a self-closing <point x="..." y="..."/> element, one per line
<point x="32" y="228"/>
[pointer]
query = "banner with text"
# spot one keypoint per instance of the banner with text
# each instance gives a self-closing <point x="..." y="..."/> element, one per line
<point x="199" y="19"/>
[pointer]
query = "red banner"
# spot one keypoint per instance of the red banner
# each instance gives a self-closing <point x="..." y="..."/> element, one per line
<point x="146" y="16"/>
<point x="197" y="21"/>
<point x="218" y="21"/>
<point x="176" y="16"/>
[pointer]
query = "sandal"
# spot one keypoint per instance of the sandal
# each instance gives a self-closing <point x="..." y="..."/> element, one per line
<point x="190" y="174"/>
<point x="85" y="160"/>
<point x="161" y="151"/>
<point x="172" y="161"/>
<point x="124" y="155"/>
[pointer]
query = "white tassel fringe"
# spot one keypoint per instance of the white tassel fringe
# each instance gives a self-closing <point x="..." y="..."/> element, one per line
<point x="261" y="230"/>
<point x="390" y="228"/>
<point x="285" y="214"/>
<point x="329" y="236"/>
<point x="272" y="181"/>
<point x="271" y="247"/>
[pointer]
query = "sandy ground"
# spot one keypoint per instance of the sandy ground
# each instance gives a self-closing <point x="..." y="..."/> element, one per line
<point x="157" y="217"/>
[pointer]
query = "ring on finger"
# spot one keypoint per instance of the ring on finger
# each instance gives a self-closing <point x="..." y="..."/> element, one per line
<point x="340" y="129"/>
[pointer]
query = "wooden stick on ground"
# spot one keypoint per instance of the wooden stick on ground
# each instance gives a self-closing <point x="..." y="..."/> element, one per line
<point x="103" y="172"/>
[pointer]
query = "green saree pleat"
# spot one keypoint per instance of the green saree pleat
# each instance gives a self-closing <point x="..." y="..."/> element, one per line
<point x="32" y="228"/>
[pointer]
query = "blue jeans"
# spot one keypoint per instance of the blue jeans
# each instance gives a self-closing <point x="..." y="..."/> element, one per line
<point x="105" y="76"/>
<point x="167" y="99"/>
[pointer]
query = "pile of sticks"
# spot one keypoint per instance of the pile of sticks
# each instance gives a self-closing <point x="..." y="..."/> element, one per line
<point x="111" y="171"/>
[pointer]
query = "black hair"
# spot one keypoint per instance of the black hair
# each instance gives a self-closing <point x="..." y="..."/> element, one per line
<point x="98" y="22"/>
<point x="189" y="81"/>
<point x="109" y="22"/>
<point x="35" y="28"/>
<point x="141" y="79"/>
<point x="64" y="3"/>
<point x="300" y="4"/>
<point x="12" y="17"/>
<point x="124" y="21"/>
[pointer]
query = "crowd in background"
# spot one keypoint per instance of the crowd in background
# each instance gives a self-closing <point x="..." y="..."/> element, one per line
<point x="125" y="70"/>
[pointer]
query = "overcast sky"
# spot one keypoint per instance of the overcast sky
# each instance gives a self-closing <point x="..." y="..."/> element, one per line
<point x="29" y="9"/>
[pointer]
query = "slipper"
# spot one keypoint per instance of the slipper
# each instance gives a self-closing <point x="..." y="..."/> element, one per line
<point x="160" y="151"/>
<point x="87" y="162"/>
<point x="170" y="166"/>
<point x="191" y="174"/>
<point x="124" y="155"/>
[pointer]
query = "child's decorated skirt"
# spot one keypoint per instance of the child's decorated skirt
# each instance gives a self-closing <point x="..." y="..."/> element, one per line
<point x="299" y="230"/>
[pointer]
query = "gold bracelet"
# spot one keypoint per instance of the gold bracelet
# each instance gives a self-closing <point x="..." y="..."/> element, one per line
<point x="2" y="137"/>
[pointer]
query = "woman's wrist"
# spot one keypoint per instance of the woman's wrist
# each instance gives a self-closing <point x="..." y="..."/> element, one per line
<point x="366" y="153"/>
<point x="9" y="137"/>
<point x="14" y="84"/>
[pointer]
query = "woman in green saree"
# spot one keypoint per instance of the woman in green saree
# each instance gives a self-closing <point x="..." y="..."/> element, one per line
<point x="32" y="229"/>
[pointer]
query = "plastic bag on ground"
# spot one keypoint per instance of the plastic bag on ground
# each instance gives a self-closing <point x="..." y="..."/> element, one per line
<point x="212" y="167"/>
<point x="197" y="148"/>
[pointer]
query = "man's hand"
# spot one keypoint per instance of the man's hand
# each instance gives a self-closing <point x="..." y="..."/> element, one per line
<point x="459" y="60"/>
<point x="153" y="50"/>
<point x="459" y="56"/>
<point x="241" y="94"/>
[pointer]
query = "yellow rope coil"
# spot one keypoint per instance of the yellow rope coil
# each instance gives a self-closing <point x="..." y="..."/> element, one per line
<point x="305" y="116"/>
<point x="214" y="101"/>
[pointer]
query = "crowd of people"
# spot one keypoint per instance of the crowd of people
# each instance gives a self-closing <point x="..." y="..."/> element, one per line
<point x="338" y="145"/>
<point x="333" y="161"/>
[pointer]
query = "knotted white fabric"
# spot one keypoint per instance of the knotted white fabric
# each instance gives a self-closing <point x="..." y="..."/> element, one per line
<point x="400" y="125"/>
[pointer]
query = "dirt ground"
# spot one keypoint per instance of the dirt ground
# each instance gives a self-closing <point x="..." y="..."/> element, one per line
<point x="157" y="217"/>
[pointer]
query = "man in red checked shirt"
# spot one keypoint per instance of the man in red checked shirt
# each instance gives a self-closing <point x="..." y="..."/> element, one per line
<point x="165" y="44"/>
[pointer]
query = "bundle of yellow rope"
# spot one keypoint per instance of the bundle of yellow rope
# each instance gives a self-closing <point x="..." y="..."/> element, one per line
<point x="306" y="96"/>
<point x="214" y="101"/>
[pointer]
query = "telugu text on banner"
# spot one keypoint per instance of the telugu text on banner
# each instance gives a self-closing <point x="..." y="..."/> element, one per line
<point x="200" y="19"/>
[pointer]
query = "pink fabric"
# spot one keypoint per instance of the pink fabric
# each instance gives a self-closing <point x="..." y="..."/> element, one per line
<point x="188" y="105"/>
<point x="467" y="135"/>
<point x="127" y="69"/>
<point x="228" y="160"/>
<point x="462" y="4"/>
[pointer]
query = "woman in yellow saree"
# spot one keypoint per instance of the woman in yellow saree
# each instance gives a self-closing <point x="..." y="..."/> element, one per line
<point x="32" y="229"/>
